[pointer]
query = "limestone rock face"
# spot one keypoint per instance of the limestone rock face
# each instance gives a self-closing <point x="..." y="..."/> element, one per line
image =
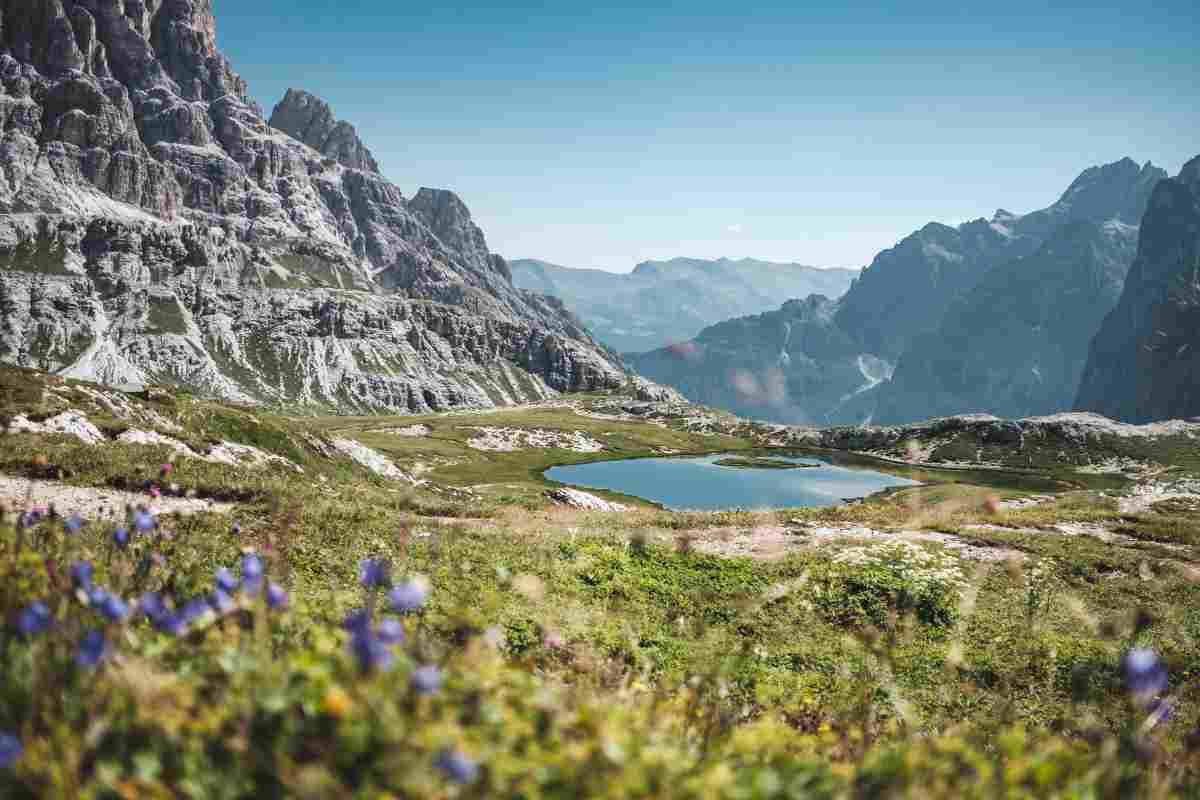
<point x="309" y="119"/>
<point x="154" y="228"/>
<point x="1144" y="364"/>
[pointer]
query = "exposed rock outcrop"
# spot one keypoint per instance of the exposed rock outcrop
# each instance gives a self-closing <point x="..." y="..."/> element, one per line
<point x="154" y="228"/>
<point x="309" y="119"/>
<point x="1144" y="363"/>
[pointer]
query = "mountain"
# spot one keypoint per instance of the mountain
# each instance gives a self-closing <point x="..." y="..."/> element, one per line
<point x="1144" y="363"/>
<point x="1015" y="345"/>
<point x="155" y="228"/>
<point x="791" y="365"/>
<point x="986" y="316"/>
<point x="663" y="302"/>
<point x="906" y="288"/>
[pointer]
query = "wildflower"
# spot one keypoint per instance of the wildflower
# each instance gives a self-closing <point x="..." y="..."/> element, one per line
<point x="121" y="537"/>
<point x="458" y="767"/>
<point x="92" y="650"/>
<point x="193" y="611"/>
<point x="166" y="470"/>
<point x="277" y="598"/>
<point x="390" y="631"/>
<point x="155" y="492"/>
<point x="10" y="750"/>
<point x="81" y="575"/>
<point x="426" y="680"/>
<point x="1145" y="675"/>
<point x="237" y="529"/>
<point x="34" y="620"/>
<point x="372" y="654"/>
<point x="226" y="582"/>
<point x="153" y="607"/>
<point x="221" y="602"/>
<point x="113" y="608"/>
<point x="144" y="521"/>
<point x="375" y="573"/>
<point x="1161" y="710"/>
<point x="410" y="596"/>
<point x="336" y="702"/>
<point x="252" y="573"/>
<point x="357" y="621"/>
<point x="73" y="525"/>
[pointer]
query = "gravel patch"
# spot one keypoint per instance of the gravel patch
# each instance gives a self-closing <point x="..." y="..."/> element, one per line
<point x="508" y="440"/>
<point x="22" y="493"/>
<point x="72" y="423"/>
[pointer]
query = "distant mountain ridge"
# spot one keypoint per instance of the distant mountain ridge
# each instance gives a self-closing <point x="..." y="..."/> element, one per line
<point x="990" y="316"/>
<point x="663" y="302"/>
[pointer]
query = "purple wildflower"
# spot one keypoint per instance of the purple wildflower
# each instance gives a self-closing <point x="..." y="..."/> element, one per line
<point x="375" y="573"/>
<point x="10" y="750"/>
<point x="73" y="525"/>
<point x="458" y="767"/>
<point x="409" y="596"/>
<point x="121" y="537"/>
<point x="226" y="582"/>
<point x="92" y="650"/>
<point x="357" y="621"/>
<point x="81" y="575"/>
<point x="144" y="521"/>
<point x="34" y="620"/>
<point x="1145" y="675"/>
<point x="372" y="654"/>
<point x="221" y="602"/>
<point x="426" y="680"/>
<point x="277" y="597"/>
<point x="252" y="573"/>
<point x="113" y="608"/>
<point x="390" y="631"/>
<point x="153" y="607"/>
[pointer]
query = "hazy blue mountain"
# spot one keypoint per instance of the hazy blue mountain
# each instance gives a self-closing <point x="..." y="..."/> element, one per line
<point x="991" y="315"/>
<point x="906" y="288"/>
<point x="790" y="365"/>
<point x="1015" y="346"/>
<point x="1144" y="363"/>
<point x="663" y="302"/>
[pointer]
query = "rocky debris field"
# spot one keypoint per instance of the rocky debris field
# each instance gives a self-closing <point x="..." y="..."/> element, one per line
<point x="95" y="502"/>
<point x="584" y="501"/>
<point x="507" y="440"/>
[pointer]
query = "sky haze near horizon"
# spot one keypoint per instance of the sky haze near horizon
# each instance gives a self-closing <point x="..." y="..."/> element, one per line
<point x="602" y="137"/>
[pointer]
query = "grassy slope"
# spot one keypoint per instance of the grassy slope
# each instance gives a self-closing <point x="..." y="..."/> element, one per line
<point x="796" y="664"/>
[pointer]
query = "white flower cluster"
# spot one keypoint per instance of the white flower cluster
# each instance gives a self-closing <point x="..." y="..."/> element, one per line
<point x="916" y="564"/>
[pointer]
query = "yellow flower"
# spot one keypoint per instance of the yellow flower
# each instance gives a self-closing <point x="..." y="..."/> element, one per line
<point x="337" y="703"/>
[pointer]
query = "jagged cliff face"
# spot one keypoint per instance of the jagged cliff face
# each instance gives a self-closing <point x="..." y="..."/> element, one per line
<point x="1144" y="363"/>
<point x="154" y="228"/>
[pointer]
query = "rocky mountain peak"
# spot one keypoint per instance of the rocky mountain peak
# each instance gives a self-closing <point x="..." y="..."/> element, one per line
<point x="1119" y="190"/>
<point x="154" y="228"/>
<point x="309" y="119"/>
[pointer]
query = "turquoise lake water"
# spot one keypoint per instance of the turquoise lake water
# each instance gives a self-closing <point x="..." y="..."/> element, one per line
<point x="700" y="484"/>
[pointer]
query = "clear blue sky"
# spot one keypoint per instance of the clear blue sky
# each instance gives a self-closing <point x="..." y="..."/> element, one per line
<point x="600" y="137"/>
